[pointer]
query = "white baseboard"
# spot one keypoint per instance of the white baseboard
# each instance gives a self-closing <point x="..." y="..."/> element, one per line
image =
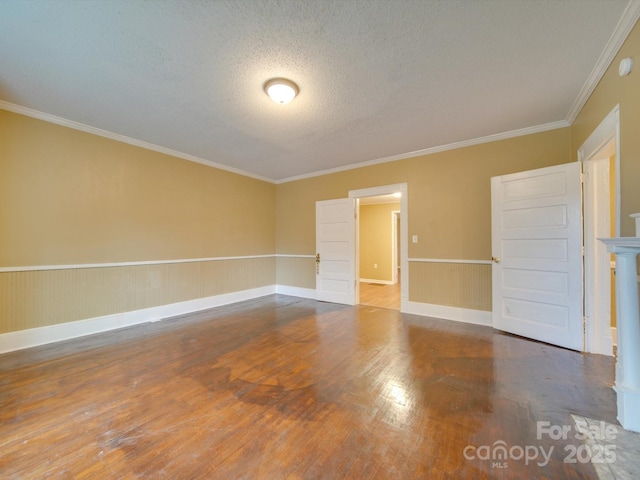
<point x="465" y="315"/>
<point x="614" y="336"/>
<point x="65" y="331"/>
<point x="34" y="337"/>
<point x="381" y="282"/>
<point x="296" y="291"/>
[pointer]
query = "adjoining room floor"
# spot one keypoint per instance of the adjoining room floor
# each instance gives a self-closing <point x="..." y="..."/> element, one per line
<point x="282" y="387"/>
<point x="380" y="295"/>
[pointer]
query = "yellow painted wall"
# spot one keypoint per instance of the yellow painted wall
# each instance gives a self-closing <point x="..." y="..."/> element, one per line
<point x="69" y="197"/>
<point x="449" y="197"/>
<point x="376" y="242"/>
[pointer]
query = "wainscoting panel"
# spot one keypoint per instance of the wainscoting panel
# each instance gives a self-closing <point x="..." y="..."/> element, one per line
<point x="463" y="285"/>
<point x="31" y="299"/>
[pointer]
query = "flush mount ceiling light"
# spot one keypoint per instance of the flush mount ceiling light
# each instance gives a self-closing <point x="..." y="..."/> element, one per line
<point x="281" y="90"/>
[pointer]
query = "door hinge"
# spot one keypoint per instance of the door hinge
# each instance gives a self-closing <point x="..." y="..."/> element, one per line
<point x="583" y="177"/>
<point x="582" y="250"/>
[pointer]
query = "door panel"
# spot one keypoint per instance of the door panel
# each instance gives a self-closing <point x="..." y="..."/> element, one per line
<point x="537" y="237"/>
<point x="335" y="243"/>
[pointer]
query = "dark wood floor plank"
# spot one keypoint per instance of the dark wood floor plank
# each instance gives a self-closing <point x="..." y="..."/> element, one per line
<point x="289" y="388"/>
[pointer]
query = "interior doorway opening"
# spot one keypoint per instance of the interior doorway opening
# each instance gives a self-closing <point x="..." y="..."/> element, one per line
<point x="381" y="276"/>
<point x="378" y="247"/>
<point x="600" y="157"/>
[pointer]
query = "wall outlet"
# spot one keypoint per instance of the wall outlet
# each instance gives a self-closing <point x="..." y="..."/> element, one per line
<point x="375" y="265"/>
<point x="414" y="238"/>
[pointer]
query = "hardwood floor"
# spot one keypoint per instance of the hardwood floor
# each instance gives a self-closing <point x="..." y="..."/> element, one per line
<point x="287" y="388"/>
<point x="380" y="295"/>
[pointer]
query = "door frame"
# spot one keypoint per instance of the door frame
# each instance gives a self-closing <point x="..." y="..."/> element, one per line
<point x="395" y="216"/>
<point x="402" y="188"/>
<point x="597" y="278"/>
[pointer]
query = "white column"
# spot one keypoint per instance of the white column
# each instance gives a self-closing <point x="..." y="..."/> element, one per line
<point x="627" y="384"/>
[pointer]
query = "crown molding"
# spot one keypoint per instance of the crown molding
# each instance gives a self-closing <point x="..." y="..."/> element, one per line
<point x="627" y="21"/>
<point x="30" y="112"/>
<point x="428" y="151"/>
<point x="47" y="117"/>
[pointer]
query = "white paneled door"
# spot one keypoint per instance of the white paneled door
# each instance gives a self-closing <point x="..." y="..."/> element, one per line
<point x="537" y="254"/>
<point x="336" y="250"/>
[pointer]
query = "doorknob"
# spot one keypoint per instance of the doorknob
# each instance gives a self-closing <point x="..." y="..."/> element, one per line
<point x="317" y="258"/>
<point x="495" y="259"/>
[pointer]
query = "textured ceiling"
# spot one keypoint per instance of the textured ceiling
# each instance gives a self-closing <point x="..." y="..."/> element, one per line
<point x="377" y="79"/>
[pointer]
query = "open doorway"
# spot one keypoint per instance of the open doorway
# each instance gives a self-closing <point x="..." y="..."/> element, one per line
<point x="378" y="250"/>
<point x="391" y="289"/>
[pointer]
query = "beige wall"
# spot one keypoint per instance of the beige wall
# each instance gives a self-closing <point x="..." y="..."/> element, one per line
<point x="449" y="197"/>
<point x="376" y="242"/>
<point x="296" y="272"/>
<point x="69" y="197"/>
<point x="625" y="91"/>
<point x="73" y="198"/>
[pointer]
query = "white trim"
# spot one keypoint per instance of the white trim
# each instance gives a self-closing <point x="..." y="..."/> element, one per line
<point x="30" y="112"/>
<point x="449" y="260"/>
<point x="596" y="223"/>
<point x="428" y="151"/>
<point x="284" y="255"/>
<point x="65" y="331"/>
<point x="626" y="23"/>
<point x="126" y="264"/>
<point x="596" y="192"/>
<point x="614" y="335"/>
<point x="603" y="134"/>
<point x="296" y="291"/>
<point x="465" y="315"/>
<point x="381" y="190"/>
<point x="371" y="280"/>
<point x="395" y="261"/>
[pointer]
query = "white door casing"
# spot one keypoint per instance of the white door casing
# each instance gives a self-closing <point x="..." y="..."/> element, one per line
<point x="335" y="245"/>
<point x="601" y="200"/>
<point x="395" y="243"/>
<point x="537" y="250"/>
<point x="597" y="265"/>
